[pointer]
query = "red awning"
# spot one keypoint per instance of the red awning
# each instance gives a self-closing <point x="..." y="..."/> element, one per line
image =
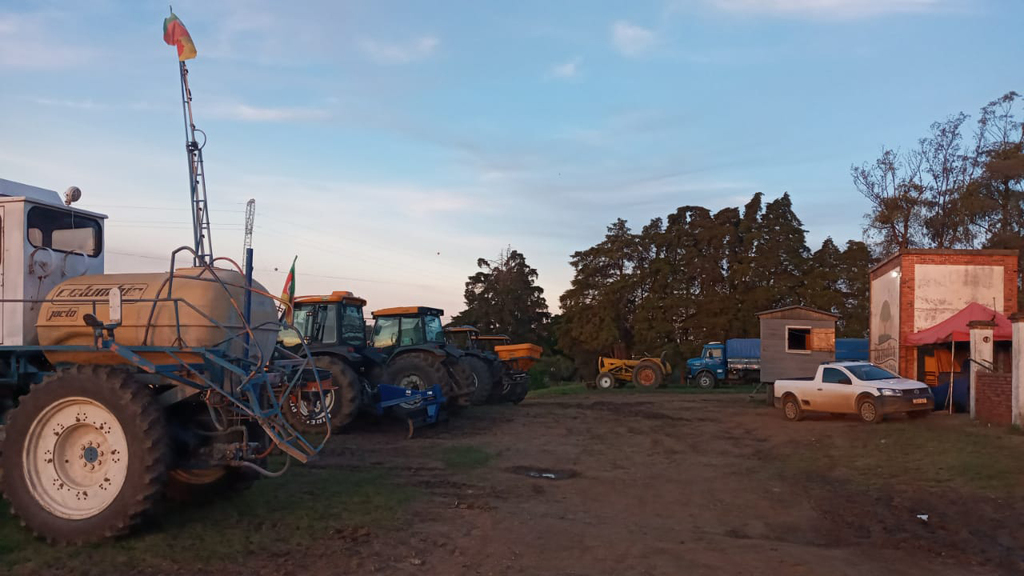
<point x="954" y="328"/>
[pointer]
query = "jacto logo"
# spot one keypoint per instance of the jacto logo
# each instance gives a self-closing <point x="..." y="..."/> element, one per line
<point x="97" y="291"/>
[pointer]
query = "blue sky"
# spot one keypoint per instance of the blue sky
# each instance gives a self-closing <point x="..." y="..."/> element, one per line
<point x="391" y="144"/>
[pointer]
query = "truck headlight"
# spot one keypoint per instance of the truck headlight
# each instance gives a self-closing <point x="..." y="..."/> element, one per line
<point x="890" y="392"/>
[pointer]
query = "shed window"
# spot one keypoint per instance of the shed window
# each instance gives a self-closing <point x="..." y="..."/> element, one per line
<point x="798" y="339"/>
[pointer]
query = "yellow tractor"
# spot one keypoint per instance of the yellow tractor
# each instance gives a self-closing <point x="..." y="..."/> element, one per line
<point x="647" y="373"/>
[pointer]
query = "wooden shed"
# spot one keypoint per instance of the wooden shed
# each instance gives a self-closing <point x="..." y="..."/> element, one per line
<point x="795" y="340"/>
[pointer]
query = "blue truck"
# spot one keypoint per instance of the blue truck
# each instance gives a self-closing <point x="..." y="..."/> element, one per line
<point x="738" y="361"/>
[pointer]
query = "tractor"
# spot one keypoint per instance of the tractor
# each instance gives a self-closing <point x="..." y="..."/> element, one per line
<point x="333" y="329"/>
<point x="647" y="373"/>
<point x="485" y="364"/>
<point x="515" y="361"/>
<point x="334" y="332"/>
<point x="411" y="339"/>
<point x="120" y="389"/>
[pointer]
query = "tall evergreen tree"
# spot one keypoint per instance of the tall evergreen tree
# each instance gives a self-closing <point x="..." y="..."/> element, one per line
<point x="503" y="298"/>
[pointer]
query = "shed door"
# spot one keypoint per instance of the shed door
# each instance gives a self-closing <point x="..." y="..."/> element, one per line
<point x="823" y="339"/>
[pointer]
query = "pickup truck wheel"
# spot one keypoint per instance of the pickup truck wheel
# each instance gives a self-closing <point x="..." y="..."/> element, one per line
<point x="791" y="409"/>
<point x="869" y="411"/>
<point x="605" y="381"/>
<point x="705" y="380"/>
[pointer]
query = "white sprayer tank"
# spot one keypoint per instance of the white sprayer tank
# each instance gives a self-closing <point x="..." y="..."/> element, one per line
<point x="156" y="324"/>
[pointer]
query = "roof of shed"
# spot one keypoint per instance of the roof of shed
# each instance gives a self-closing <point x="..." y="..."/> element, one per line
<point x="798" y="307"/>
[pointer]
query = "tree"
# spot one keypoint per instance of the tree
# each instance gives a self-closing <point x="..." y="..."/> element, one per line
<point x="503" y="298"/>
<point x="897" y="201"/>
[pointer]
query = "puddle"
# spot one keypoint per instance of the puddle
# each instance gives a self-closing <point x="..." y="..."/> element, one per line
<point x="544" y="473"/>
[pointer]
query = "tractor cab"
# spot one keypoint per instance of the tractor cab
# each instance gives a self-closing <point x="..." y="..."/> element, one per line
<point x="327" y="321"/>
<point x="45" y="242"/>
<point x="462" y="337"/>
<point x="487" y="342"/>
<point x="407" y="326"/>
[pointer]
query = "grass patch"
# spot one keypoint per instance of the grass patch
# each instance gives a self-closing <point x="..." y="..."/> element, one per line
<point x="304" y="506"/>
<point x="938" y="454"/>
<point x="576" y="388"/>
<point x="464" y="457"/>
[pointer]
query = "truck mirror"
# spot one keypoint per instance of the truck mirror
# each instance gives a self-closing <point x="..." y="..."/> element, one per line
<point x="115" y="306"/>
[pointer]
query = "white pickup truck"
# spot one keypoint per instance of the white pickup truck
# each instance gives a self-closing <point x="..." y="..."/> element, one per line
<point x="853" y="388"/>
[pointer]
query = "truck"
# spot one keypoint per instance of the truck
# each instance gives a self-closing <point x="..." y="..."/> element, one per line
<point x="861" y="388"/>
<point x="736" y="361"/>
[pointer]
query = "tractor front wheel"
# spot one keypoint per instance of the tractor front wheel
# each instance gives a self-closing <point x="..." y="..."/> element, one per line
<point x="605" y="381"/>
<point x="85" y="455"/>
<point x="464" y="383"/>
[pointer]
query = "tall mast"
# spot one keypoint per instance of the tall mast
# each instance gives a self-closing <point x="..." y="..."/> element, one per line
<point x="201" y="241"/>
<point x="250" y="217"/>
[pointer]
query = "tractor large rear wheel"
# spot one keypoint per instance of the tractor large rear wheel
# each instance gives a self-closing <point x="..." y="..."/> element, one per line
<point x="648" y="375"/>
<point x="305" y="411"/>
<point x="417" y="371"/>
<point x="484" y="380"/>
<point x="464" y="383"/>
<point x="85" y="455"/>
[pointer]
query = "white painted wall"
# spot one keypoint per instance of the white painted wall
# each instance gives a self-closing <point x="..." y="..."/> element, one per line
<point x="941" y="291"/>
<point x="885" y="320"/>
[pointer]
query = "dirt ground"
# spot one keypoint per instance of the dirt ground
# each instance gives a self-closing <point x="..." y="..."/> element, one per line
<point x="666" y="484"/>
<point x="652" y="484"/>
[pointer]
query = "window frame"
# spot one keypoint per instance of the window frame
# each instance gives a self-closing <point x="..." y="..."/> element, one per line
<point x="807" y="341"/>
<point x="98" y="228"/>
<point x="843" y="373"/>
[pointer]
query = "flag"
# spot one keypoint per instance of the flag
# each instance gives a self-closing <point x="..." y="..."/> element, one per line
<point x="288" y="294"/>
<point x="175" y="34"/>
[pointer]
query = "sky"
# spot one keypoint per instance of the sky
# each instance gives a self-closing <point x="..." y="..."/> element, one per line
<point x="389" y="145"/>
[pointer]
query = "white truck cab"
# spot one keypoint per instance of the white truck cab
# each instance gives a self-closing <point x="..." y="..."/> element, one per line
<point x="44" y="242"/>
<point x="859" y="388"/>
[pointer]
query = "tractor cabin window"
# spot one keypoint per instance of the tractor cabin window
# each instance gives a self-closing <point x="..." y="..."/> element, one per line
<point x="385" y="332"/>
<point x="63" y="231"/>
<point x="798" y="339"/>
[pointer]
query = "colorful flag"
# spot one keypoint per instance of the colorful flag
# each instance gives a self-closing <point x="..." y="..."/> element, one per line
<point x="175" y="34"/>
<point x="288" y="294"/>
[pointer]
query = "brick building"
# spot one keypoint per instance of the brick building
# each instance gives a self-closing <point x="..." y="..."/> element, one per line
<point x="916" y="289"/>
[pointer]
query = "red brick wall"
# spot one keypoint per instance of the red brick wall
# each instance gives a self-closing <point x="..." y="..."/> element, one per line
<point x="993" y="390"/>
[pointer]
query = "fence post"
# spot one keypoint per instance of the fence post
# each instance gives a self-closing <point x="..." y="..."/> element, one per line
<point x="1017" y="368"/>
<point x="982" y="332"/>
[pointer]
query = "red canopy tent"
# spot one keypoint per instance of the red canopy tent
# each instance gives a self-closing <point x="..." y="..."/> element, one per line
<point x="954" y="328"/>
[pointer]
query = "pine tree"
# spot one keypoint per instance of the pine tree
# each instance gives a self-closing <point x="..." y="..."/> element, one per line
<point x="503" y="298"/>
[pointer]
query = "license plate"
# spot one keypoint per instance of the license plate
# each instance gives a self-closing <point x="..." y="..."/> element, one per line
<point x="920" y="400"/>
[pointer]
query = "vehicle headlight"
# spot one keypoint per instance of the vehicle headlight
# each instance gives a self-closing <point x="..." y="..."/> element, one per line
<point x="890" y="392"/>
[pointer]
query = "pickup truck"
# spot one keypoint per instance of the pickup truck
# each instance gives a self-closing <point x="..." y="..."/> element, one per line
<point x="738" y="360"/>
<point x="858" y="388"/>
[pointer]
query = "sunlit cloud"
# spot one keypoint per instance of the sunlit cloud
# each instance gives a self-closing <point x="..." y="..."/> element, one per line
<point x="630" y="39"/>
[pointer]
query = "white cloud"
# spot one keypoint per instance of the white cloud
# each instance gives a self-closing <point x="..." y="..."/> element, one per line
<point x="567" y="69"/>
<point x="247" y="113"/>
<point x="399" y="52"/>
<point x="630" y="39"/>
<point x="27" y="43"/>
<point x="62" y="103"/>
<point x="835" y="9"/>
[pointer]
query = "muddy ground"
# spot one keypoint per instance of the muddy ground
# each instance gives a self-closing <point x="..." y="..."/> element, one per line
<point x="648" y="484"/>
